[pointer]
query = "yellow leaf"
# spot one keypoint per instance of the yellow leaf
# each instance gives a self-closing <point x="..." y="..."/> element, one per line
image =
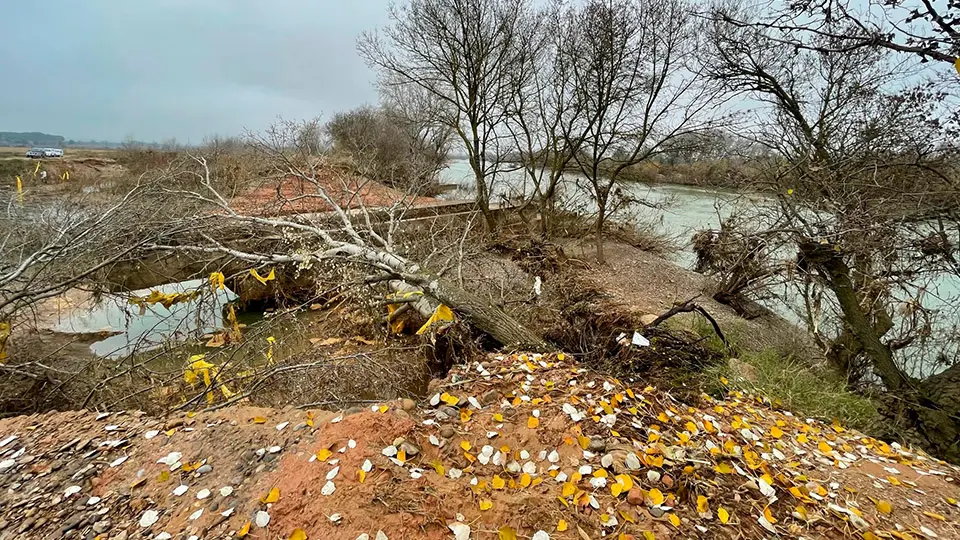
<point x="702" y="505"/>
<point x="656" y="496"/>
<point x="956" y="64"/>
<point x="442" y="314"/>
<point x="402" y="456"/>
<point x="216" y="280"/>
<point x="449" y="399"/>
<point x="568" y="489"/>
<point x="498" y="482"/>
<point x="485" y="504"/>
<point x="561" y="526"/>
<point x="507" y="533"/>
<point x="625" y="481"/>
<point x="271" y="497"/>
<point x="497" y="417"/>
<point x="776" y="432"/>
<point x="298" y="534"/>
<point x="884" y="507"/>
<point x="263" y="280"/>
<point x="616" y="489"/>
<point x="525" y="480"/>
<point x="802" y="438"/>
<point x="383" y="409"/>
<point x="824" y="447"/>
<point x="647" y="535"/>
<point x="723" y="468"/>
<point x="437" y="466"/>
<point x="867" y="535"/>
<point x="533" y="422"/>
<point x="674" y="520"/>
<point x="466" y="445"/>
<point x="769" y="515"/>
<point x="164" y="476"/>
<point x="324" y="454"/>
<point x="259" y="420"/>
<point x="935" y="516"/>
<point x="723" y="515"/>
<point x="465" y="415"/>
<point x="244" y="530"/>
<point x="361" y="475"/>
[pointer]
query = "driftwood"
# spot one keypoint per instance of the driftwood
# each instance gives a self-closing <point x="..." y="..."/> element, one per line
<point x="688" y="307"/>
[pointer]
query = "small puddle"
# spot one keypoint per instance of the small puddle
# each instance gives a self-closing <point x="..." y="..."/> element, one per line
<point x="135" y="331"/>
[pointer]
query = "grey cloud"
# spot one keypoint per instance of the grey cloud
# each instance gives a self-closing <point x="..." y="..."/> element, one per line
<point x="157" y="69"/>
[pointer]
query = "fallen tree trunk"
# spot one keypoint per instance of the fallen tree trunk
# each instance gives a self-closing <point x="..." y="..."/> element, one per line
<point x="491" y="320"/>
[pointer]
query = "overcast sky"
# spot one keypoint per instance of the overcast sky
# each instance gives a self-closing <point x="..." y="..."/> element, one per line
<point x="157" y="69"/>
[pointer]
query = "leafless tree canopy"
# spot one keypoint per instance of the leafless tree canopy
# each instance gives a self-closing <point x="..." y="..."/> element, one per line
<point x="864" y="169"/>
<point x="923" y="28"/>
<point x="637" y="72"/>
<point x="467" y="54"/>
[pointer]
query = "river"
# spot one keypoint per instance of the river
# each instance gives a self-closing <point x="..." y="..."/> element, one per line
<point x="684" y="210"/>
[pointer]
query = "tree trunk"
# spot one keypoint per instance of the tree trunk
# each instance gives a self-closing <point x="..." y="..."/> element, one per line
<point x="483" y="200"/>
<point x="838" y="274"/>
<point x="601" y="216"/>
<point x="491" y="320"/>
<point x="929" y="407"/>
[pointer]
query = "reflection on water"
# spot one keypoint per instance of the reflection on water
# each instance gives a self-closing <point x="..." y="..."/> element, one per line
<point x="138" y="332"/>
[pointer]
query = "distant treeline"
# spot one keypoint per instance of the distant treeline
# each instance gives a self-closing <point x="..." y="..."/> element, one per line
<point x="11" y="138"/>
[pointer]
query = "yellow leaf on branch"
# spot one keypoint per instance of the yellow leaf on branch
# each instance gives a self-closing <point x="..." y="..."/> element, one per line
<point x="441" y="314"/>
<point x="262" y="279"/>
<point x="216" y="280"/>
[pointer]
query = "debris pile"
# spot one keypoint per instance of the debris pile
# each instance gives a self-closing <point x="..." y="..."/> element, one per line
<point x="519" y="446"/>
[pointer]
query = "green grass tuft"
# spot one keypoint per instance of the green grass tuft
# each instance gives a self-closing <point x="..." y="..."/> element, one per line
<point x="797" y="386"/>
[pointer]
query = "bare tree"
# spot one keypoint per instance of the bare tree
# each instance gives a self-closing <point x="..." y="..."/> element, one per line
<point x="863" y="175"/>
<point x="928" y="29"/>
<point x="465" y="53"/>
<point x="546" y="119"/>
<point x="426" y="120"/>
<point x="639" y="73"/>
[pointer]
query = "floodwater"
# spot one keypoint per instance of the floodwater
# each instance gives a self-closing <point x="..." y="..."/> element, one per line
<point x="135" y="331"/>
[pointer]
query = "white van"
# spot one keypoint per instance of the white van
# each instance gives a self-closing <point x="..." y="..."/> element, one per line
<point x="52" y="152"/>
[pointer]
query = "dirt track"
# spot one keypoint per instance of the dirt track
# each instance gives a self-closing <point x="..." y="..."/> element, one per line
<point x="514" y="444"/>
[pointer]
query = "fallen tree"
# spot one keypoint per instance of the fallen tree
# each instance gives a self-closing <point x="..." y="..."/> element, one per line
<point x="350" y="233"/>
